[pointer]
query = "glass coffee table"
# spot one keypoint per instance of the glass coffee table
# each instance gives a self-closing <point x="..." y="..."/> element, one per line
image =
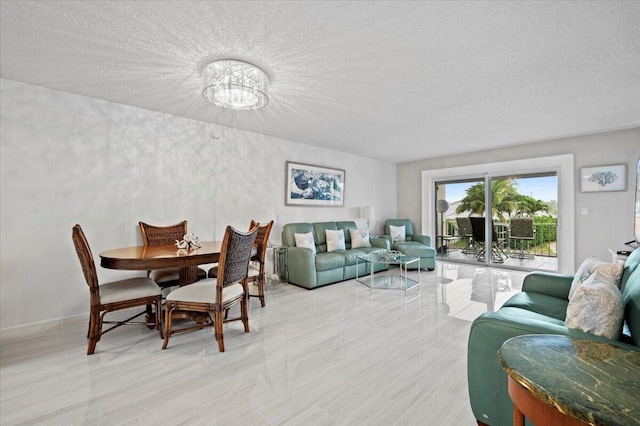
<point x="400" y="281"/>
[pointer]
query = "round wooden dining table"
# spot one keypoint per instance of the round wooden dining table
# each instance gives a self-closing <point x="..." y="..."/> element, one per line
<point x="143" y="258"/>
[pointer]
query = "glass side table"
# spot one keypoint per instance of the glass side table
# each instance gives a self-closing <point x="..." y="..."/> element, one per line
<point x="280" y="267"/>
<point x="388" y="282"/>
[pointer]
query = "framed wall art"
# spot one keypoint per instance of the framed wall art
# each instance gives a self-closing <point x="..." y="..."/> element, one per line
<point x="603" y="178"/>
<point x="309" y="185"/>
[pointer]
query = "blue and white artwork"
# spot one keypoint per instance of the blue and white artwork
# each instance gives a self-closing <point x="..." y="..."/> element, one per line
<point x="603" y="178"/>
<point x="314" y="185"/>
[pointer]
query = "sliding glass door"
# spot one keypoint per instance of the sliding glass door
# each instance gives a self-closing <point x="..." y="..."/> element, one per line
<point x="521" y="231"/>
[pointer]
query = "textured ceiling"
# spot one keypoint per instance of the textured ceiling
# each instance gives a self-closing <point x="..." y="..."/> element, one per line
<point x="397" y="81"/>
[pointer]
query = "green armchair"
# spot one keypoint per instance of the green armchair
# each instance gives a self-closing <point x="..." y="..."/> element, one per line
<point x="415" y="245"/>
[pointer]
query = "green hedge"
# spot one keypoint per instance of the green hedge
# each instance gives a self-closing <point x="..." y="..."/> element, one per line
<point x="548" y="231"/>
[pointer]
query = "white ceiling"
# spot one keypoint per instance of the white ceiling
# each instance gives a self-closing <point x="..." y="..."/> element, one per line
<point x="397" y="81"/>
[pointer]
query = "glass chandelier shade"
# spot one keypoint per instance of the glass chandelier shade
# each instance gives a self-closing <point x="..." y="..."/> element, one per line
<point x="235" y="85"/>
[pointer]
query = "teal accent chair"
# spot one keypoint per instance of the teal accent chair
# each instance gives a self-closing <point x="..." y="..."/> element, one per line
<point x="415" y="245"/>
<point x="540" y="308"/>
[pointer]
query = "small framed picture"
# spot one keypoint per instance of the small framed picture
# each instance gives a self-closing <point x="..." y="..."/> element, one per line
<point x="309" y="185"/>
<point x="603" y="178"/>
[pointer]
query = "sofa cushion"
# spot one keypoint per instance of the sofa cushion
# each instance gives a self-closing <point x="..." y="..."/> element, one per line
<point x="631" y="266"/>
<point x="596" y="307"/>
<point x="326" y="261"/>
<point x="631" y="296"/>
<point x="335" y="240"/>
<point x="359" y="238"/>
<point x="542" y="304"/>
<point x="596" y="269"/>
<point x="372" y="249"/>
<point x="289" y="231"/>
<point x="414" y="248"/>
<point x="350" y="256"/>
<point x="407" y="244"/>
<point x="398" y="233"/>
<point x="532" y="322"/>
<point x="319" y="229"/>
<point x="408" y="226"/>
<point x="305" y="240"/>
<point x="346" y="226"/>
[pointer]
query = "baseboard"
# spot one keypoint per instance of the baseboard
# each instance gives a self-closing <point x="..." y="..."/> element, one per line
<point x="39" y="327"/>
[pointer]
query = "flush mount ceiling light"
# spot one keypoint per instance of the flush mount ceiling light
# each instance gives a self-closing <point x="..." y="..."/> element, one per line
<point x="235" y="85"/>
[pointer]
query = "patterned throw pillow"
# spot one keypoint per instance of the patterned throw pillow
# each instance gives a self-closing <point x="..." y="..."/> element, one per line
<point x="305" y="240"/>
<point x="335" y="240"/>
<point x="359" y="238"/>
<point x="597" y="308"/>
<point x="398" y="233"/>
<point x="596" y="269"/>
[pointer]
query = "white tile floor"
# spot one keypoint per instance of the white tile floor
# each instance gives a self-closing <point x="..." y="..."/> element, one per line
<point x="536" y="263"/>
<point x="336" y="355"/>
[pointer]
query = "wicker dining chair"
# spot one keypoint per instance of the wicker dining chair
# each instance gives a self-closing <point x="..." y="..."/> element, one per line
<point x="257" y="264"/>
<point x="214" y="296"/>
<point x="153" y="235"/>
<point x="113" y="296"/>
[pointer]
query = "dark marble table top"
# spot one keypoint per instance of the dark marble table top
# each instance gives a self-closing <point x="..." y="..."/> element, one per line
<point x="595" y="382"/>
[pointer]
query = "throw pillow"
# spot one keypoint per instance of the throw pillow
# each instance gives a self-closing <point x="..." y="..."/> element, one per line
<point x="305" y="240"/>
<point x="335" y="240"/>
<point x="359" y="238"/>
<point x="398" y="233"/>
<point x="596" y="269"/>
<point x="597" y="308"/>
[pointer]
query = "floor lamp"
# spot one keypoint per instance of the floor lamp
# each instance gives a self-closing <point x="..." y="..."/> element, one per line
<point x="441" y="207"/>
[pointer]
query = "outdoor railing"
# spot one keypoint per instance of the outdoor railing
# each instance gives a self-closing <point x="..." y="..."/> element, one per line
<point x="543" y="244"/>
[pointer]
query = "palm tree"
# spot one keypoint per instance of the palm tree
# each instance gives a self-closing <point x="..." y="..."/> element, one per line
<point x="503" y="200"/>
<point x="529" y="205"/>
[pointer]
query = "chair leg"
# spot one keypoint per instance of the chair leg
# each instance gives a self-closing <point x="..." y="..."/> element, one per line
<point x="496" y="257"/>
<point x="244" y="312"/>
<point x="159" y="322"/>
<point x="95" y="329"/>
<point x="217" y="326"/>
<point x="92" y="346"/>
<point x="261" y="289"/>
<point x="167" y="328"/>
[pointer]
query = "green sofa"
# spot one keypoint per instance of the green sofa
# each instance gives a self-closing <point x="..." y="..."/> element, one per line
<point x="309" y="270"/>
<point x="415" y="245"/>
<point x="539" y="309"/>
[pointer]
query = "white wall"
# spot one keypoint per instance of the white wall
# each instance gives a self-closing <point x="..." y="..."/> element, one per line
<point x="68" y="159"/>
<point x="610" y="214"/>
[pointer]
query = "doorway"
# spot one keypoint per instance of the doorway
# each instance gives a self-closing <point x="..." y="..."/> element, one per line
<point x="523" y="230"/>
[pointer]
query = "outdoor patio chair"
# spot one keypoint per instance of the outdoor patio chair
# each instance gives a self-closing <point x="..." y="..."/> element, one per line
<point x="464" y="231"/>
<point x="521" y="231"/>
<point x="497" y="253"/>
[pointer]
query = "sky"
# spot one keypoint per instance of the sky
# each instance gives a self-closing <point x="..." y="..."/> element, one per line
<point x="541" y="188"/>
